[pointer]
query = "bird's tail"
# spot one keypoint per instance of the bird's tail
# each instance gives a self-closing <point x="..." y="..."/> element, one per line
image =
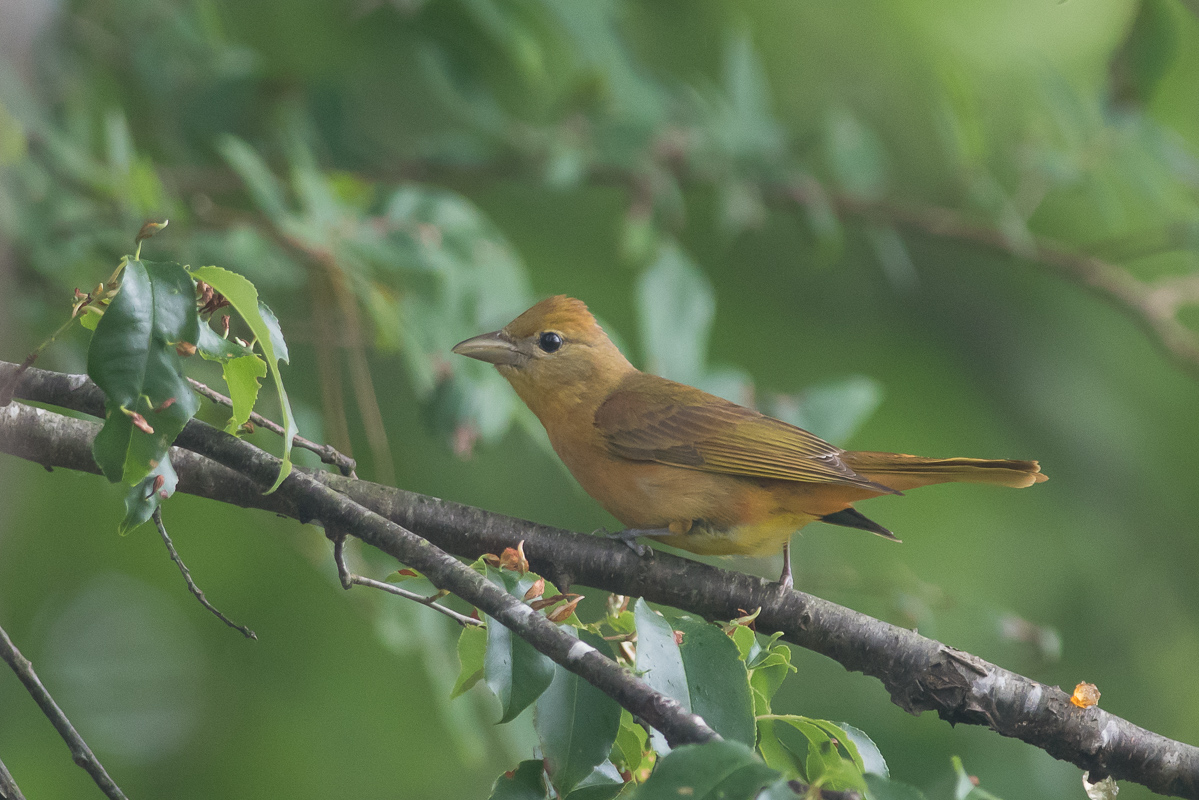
<point x="908" y="472"/>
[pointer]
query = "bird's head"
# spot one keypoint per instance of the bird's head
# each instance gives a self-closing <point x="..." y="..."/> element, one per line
<point x="555" y="355"/>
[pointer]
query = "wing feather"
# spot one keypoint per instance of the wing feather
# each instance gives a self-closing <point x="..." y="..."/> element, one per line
<point x="649" y="418"/>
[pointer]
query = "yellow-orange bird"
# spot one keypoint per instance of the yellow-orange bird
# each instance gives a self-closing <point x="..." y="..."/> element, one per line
<point x="687" y="468"/>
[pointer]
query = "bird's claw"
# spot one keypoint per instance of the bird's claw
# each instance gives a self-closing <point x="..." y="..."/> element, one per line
<point x="629" y="537"/>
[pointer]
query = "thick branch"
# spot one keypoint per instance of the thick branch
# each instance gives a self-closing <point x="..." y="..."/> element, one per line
<point x="313" y="501"/>
<point x="920" y="674"/>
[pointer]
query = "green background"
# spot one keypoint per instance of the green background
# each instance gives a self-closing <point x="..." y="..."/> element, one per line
<point x="1063" y="120"/>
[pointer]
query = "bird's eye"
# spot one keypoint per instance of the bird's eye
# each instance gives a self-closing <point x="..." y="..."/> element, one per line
<point x="549" y="341"/>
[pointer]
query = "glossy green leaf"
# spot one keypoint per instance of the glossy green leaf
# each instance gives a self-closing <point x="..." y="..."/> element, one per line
<point x="744" y="637"/>
<point x="720" y="770"/>
<point x="472" y="644"/>
<point x="870" y="758"/>
<point x="659" y="661"/>
<point x="717" y="680"/>
<point x="811" y="750"/>
<point x="132" y="359"/>
<point x="632" y="742"/>
<point x="526" y="782"/>
<point x="514" y="671"/>
<point x="767" y="674"/>
<point x="212" y="347"/>
<point x="144" y="497"/>
<point x="242" y="376"/>
<point x="242" y="295"/>
<point x="575" y="722"/>
<point x="603" y="783"/>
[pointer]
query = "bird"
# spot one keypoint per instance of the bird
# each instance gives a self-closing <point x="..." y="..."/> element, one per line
<point x="677" y="465"/>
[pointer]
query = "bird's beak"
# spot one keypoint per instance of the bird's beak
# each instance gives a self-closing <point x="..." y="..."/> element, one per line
<point x="496" y="347"/>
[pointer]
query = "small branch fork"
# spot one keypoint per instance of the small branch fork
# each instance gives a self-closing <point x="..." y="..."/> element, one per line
<point x="349" y="580"/>
<point x="328" y="454"/>
<point x="80" y="752"/>
<point x="191" y="584"/>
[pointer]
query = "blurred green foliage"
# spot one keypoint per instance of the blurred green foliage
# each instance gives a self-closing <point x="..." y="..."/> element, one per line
<point x="395" y="176"/>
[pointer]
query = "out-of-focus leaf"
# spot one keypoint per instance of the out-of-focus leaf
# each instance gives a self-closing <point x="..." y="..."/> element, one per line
<point x="721" y="770"/>
<point x="886" y="789"/>
<point x="1149" y="50"/>
<point x="575" y="722"/>
<point x="149" y="494"/>
<point x="855" y="154"/>
<point x="132" y="359"/>
<point x="676" y="306"/>
<point x="526" y="782"/>
<point x="472" y="644"/>
<point x="263" y="185"/>
<point x="242" y="295"/>
<point x="832" y="410"/>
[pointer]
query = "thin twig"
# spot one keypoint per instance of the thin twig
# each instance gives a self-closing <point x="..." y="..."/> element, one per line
<point x="187" y="576"/>
<point x="80" y="752"/>
<point x="8" y="787"/>
<point x="349" y="579"/>
<point x="328" y="454"/>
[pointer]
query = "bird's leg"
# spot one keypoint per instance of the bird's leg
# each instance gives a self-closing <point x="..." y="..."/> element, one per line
<point x="630" y="536"/>
<point x="785" y="579"/>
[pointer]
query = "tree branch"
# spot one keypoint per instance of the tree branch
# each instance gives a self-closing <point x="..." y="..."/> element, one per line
<point x="920" y="673"/>
<point x="313" y="501"/>
<point x="80" y="752"/>
<point x="8" y="787"/>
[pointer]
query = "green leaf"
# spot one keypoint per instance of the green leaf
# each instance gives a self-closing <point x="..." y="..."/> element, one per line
<point x="855" y="154"/>
<point x="870" y="757"/>
<point x="603" y="783"/>
<point x="631" y="742"/>
<point x="965" y="788"/>
<point x="881" y="788"/>
<point x="717" y="679"/>
<point x="514" y="671"/>
<point x="676" y="306"/>
<point x="212" y="347"/>
<point x="832" y="410"/>
<point x="143" y="498"/>
<point x="242" y="295"/>
<point x="659" y="662"/>
<point x="720" y="770"/>
<point x="242" y="376"/>
<point x="805" y="748"/>
<point x="263" y="185"/>
<point x="575" y="722"/>
<point x="132" y="359"/>
<point x="276" y="332"/>
<point x="743" y="636"/>
<point x="526" y="782"/>
<point x="472" y="644"/>
<point x="768" y="673"/>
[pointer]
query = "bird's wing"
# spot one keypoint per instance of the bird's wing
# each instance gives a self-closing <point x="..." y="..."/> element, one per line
<point x="649" y="418"/>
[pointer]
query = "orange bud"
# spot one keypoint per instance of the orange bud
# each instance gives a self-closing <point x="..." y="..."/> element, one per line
<point x="514" y="558"/>
<point x="678" y="637"/>
<point x="1085" y="695"/>
<point x="185" y="349"/>
<point x="140" y="423"/>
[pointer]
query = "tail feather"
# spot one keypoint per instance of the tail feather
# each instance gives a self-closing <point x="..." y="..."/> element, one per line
<point x="902" y="472"/>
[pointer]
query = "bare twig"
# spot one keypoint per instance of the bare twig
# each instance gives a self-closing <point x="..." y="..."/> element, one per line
<point x="8" y="787"/>
<point x="349" y="579"/>
<point x="328" y="454"/>
<point x="80" y="752"/>
<point x="191" y="584"/>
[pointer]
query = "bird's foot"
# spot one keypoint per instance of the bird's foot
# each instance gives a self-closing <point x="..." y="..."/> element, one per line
<point x="630" y="536"/>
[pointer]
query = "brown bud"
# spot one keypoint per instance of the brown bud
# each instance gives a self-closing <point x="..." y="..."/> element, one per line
<point x="185" y="349"/>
